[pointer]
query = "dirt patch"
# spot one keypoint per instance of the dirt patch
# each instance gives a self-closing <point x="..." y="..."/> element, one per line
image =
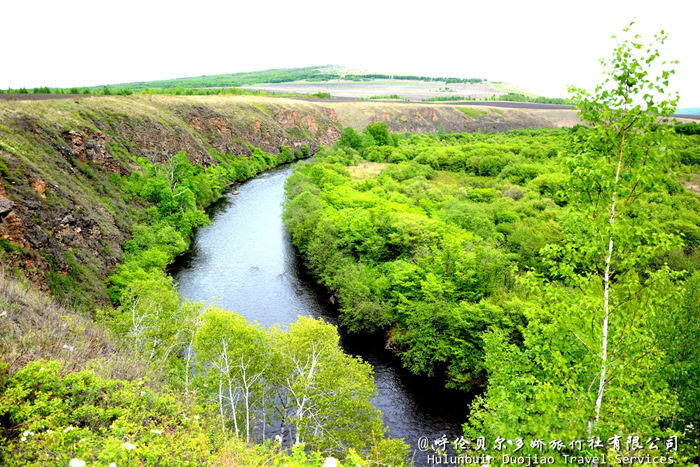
<point x="366" y="169"/>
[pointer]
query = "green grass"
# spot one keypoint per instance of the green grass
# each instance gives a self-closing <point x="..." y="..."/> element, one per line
<point x="472" y="112"/>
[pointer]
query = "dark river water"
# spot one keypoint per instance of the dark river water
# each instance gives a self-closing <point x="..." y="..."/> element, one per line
<point x="244" y="261"/>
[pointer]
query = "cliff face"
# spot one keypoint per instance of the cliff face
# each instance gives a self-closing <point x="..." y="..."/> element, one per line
<point x="60" y="202"/>
<point x="63" y="216"/>
<point x="422" y="118"/>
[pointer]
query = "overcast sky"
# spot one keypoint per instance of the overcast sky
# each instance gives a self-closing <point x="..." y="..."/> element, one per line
<point x="540" y="45"/>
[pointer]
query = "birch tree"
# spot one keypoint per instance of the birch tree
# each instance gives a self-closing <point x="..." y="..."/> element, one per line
<point x="590" y="361"/>
<point x="622" y="157"/>
<point x="155" y="320"/>
<point x="235" y="354"/>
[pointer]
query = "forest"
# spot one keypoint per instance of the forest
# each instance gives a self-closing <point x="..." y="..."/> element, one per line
<point x="453" y="247"/>
<point x="555" y="272"/>
<point x="218" y="379"/>
<point x="549" y="275"/>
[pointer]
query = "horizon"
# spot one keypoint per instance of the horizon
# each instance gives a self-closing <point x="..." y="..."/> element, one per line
<point x="541" y="50"/>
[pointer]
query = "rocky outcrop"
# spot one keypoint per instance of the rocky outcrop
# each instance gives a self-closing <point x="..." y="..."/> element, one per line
<point x="90" y="147"/>
<point x="58" y="203"/>
<point x="421" y="118"/>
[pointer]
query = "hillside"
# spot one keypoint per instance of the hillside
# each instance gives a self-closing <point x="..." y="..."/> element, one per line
<point x="284" y="75"/>
<point x="57" y="158"/>
<point x="70" y="215"/>
<point x="63" y="219"/>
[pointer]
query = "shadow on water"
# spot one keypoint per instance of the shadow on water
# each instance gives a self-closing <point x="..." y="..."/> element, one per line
<point x="244" y="261"/>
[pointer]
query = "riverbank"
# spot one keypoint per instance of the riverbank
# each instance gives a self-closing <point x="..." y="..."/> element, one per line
<point x="261" y="277"/>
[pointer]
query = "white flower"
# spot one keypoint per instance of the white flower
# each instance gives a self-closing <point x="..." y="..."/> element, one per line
<point x="3" y="314"/>
<point x="75" y="462"/>
<point x="196" y="417"/>
<point x="112" y="464"/>
<point x="28" y="433"/>
<point x="330" y="462"/>
<point x="68" y="347"/>
<point x="128" y="446"/>
<point x="70" y="428"/>
<point x="82" y="440"/>
<point x="143" y="393"/>
<point x="24" y="438"/>
<point x="156" y="432"/>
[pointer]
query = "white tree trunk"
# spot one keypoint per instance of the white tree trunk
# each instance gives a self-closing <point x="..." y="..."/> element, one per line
<point x="221" y="404"/>
<point x="606" y="293"/>
<point x="224" y="354"/>
<point x="606" y="318"/>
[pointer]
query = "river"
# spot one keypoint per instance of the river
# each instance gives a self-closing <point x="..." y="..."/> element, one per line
<point x="244" y="261"/>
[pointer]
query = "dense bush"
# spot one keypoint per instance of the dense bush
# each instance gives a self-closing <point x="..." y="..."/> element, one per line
<point x="260" y="370"/>
<point x="425" y="247"/>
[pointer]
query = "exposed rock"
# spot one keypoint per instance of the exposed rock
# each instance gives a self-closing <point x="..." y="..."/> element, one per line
<point x="39" y="187"/>
<point x="332" y="115"/>
<point x="71" y="230"/>
<point x="93" y="150"/>
<point x="5" y="206"/>
<point x="12" y="228"/>
<point x="311" y="123"/>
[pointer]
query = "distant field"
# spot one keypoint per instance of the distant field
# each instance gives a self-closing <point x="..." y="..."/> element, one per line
<point x="411" y="90"/>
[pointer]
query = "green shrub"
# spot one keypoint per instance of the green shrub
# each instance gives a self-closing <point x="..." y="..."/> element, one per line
<point x="52" y="418"/>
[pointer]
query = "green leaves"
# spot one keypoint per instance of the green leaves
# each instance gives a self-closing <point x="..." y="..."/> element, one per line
<point x="297" y="378"/>
<point x="53" y="417"/>
<point x="591" y="361"/>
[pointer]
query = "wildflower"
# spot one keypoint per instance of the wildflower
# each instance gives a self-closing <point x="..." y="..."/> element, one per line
<point x="128" y="446"/>
<point x="156" y="432"/>
<point x="143" y="393"/>
<point x="330" y="462"/>
<point x="196" y="417"/>
<point x="112" y="464"/>
<point x="3" y="314"/>
<point x="69" y="348"/>
<point x="70" y="428"/>
<point x="24" y="438"/>
<point x="75" y="462"/>
<point x="28" y="433"/>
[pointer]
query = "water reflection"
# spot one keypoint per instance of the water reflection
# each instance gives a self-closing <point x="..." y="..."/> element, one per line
<point x="244" y="261"/>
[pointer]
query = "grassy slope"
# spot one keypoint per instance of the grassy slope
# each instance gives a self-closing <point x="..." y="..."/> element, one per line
<point x="70" y="231"/>
<point x="35" y="328"/>
<point x="431" y="118"/>
<point x="230" y="79"/>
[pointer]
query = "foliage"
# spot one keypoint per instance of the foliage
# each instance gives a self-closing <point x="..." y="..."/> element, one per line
<point x="53" y="417"/>
<point x="459" y="252"/>
<point x="593" y="360"/>
<point x="298" y="379"/>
